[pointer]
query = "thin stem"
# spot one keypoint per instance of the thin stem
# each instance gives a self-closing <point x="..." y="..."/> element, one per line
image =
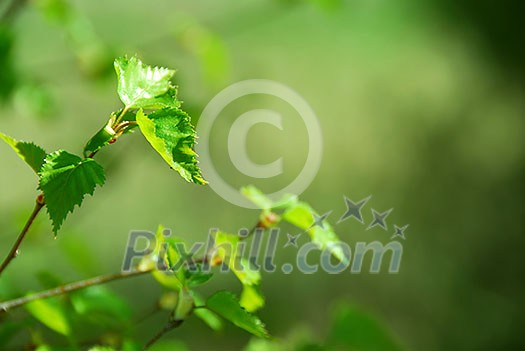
<point x="123" y="125"/>
<point x="64" y="289"/>
<point x="14" y="250"/>
<point x="91" y="155"/>
<point x="124" y="111"/>
<point x="167" y="328"/>
<point x="119" y="129"/>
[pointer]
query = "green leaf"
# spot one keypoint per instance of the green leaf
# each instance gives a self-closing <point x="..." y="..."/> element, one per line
<point x="226" y="305"/>
<point x="99" y="305"/>
<point x="165" y="252"/>
<point x="32" y="154"/>
<point x="356" y="330"/>
<point x="257" y="197"/>
<point x="211" y="319"/>
<point x="302" y="216"/>
<point x="185" y="305"/>
<point x="252" y="298"/>
<point x="51" y="314"/>
<point x="143" y="86"/>
<point x="102" y="138"/>
<point x="65" y="179"/>
<point x="227" y="248"/>
<point x="264" y="202"/>
<point x="171" y="134"/>
<point x="197" y="277"/>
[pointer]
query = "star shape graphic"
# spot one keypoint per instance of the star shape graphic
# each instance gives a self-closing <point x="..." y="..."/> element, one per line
<point x="318" y="220"/>
<point x="292" y="239"/>
<point x="353" y="209"/>
<point x="399" y="232"/>
<point x="379" y="219"/>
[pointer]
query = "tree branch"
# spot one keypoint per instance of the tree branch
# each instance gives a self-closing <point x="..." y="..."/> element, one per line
<point x="14" y="250"/>
<point x="63" y="289"/>
<point x="167" y="328"/>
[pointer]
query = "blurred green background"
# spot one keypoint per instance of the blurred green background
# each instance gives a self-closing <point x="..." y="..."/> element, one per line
<point x="421" y="105"/>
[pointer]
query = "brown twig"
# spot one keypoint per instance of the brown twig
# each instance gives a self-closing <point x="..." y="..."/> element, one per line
<point x="63" y="289"/>
<point x="14" y="250"/>
<point x="167" y="328"/>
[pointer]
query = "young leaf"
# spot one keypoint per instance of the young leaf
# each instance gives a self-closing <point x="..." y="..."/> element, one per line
<point x="264" y="202"/>
<point x="252" y="298"/>
<point x="211" y="319"/>
<point x="143" y="86"/>
<point x="65" y="179"/>
<point x="185" y="305"/>
<point x="302" y="216"/>
<point x="197" y="277"/>
<point x="51" y="314"/>
<point x="107" y="133"/>
<point x="32" y="154"/>
<point x="101" y="306"/>
<point x="257" y="197"/>
<point x="171" y="134"/>
<point x="226" y="246"/>
<point x="226" y="305"/>
<point x="164" y="254"/>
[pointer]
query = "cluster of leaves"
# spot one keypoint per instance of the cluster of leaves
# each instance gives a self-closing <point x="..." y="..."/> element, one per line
<point x="150" y="104"/>
<point x="299" y="214"/>
<point x="181" y="282"/>
<point x="65" y="178"/>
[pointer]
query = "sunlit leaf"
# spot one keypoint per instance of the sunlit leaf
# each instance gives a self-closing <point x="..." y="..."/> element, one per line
<point x="50" y="313"/>
<point x="100" y="305"/>
<point x="226" y="305"/>
<point x="302" y="216"/>
<point x="227" y="248"/>
<point x="252" y="298"/>
<point x="211" y="319"/>
<point x="185" y="305"/>
<point x="171" y="134"/>
<point x="32" y="154"/>
<point x="264" y="202"/>
<point x="143" y="86"/>
<point x="164" y="255"/>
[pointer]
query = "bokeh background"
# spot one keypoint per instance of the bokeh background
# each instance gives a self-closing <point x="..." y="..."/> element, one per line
<point x="421" y="106"/>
